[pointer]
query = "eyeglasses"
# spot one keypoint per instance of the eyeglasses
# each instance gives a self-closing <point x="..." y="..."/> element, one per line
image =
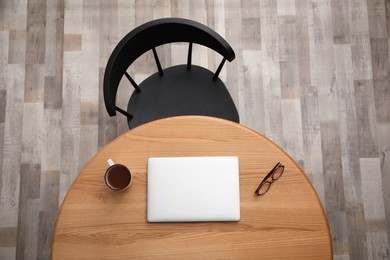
<point x="272" y="176"/>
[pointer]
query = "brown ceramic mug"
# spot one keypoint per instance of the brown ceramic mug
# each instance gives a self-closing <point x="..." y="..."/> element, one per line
<point x="117" y="177"/>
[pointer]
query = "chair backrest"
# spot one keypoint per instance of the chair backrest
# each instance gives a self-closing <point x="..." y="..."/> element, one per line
<point x="147" y="37"/>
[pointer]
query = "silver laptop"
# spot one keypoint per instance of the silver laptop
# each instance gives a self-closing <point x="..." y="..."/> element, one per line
<point x="189" y="189"/>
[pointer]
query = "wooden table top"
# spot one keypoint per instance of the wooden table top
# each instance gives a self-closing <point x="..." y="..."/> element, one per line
<point x="97" y="223"/>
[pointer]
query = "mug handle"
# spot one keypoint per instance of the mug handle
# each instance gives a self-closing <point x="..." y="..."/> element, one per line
<point x="110" y="162"/>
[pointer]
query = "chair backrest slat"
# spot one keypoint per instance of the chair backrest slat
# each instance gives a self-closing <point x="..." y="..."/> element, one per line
<point x="123" y="112"/>
<point x="160" y="71"/>
<point x="189" y="58"/>
<point x="132" y="82"/>
<point x="149" y="36"/>
<point x="216" y="74"/>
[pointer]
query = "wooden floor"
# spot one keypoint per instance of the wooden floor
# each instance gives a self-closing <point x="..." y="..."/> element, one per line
<point x="312" y="75"/>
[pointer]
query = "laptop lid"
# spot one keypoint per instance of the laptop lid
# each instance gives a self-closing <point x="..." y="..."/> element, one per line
<point x="185" y="189"/>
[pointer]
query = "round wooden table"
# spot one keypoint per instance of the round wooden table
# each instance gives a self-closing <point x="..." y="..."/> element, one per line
<point x="97" y="223"/>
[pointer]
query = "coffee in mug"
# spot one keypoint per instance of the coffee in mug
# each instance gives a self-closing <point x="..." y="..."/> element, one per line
<point x="118" y="176"/>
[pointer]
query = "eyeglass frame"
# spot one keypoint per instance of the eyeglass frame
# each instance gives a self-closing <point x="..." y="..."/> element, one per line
<point x="270" y="174"/>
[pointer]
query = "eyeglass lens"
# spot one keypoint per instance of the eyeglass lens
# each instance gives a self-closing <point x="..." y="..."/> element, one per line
<point x="278" y="172"/>
<point x="264" y="188"/>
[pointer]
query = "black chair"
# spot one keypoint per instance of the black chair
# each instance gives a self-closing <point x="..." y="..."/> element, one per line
<point x="178" y="90"/>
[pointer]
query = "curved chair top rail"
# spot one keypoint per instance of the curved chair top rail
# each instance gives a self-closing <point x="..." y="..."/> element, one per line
<point x="153" y="34"/>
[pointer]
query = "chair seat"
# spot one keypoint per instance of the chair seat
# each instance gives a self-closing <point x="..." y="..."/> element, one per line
<point x="181" y="92"/>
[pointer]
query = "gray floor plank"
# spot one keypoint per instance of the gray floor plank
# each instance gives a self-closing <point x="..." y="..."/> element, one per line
<point x="271" y="71"/>
<point x="292" y="129"/>
<point x="289" y="77"/>
<point x="51" y="145"/>
<point x="17" y="42"/>
<point x="360" y="39"/>
<point x="36" y="32"/>
<point x="350" y="152"/>
<point x="27" y="241"/>
<point x="377" y="239"/>
<point x="366" y="118"/>
<point x="311" y="135"/>
<point x="340" y="17"/>
<point x="70" y="133"/>
<point x="253" y="91"/>
<point x="381" y="76"/>
<point x="334" y="186"/>
<point x="12" y="146"/>
<point x="377" y="18"/>
<point x="34" y="83"/>
<point x="17" y="22"/>
<point x="303" y="44"/>
<point x="384" y="156"/>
